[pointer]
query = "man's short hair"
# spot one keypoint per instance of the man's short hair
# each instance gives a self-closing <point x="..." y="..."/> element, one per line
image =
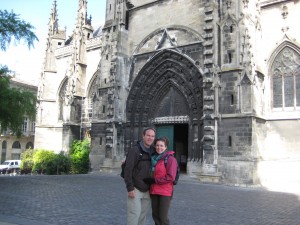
<point x="148" y="128"/>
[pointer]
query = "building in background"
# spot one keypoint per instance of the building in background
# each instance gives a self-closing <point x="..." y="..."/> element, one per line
<point x="12" y="146"/>
<point x="221" y="79"/>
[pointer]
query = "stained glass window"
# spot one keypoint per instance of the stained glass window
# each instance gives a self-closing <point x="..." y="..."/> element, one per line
<point x="286" y="79"/>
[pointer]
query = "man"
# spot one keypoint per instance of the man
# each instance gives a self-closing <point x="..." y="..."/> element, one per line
<point x="138" y="164"/>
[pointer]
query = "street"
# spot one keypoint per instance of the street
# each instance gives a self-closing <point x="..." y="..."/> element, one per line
<point x="100" y="199"/>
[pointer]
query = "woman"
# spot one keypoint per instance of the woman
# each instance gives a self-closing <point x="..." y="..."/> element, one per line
<point x="161" y="181"/>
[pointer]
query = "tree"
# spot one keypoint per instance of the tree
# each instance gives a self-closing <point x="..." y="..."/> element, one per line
<point x="15" y="104"/>
<point x="12" y="26"/>
<point x="79" y="156"/>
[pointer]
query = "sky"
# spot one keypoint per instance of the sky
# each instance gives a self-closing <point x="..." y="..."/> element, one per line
<point x="27" y="63"/>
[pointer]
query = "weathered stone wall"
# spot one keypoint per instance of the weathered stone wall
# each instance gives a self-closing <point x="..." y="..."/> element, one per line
<point x="279" y="163"/>
<point x="98" y="145"/>
<point x="49" y="138"/>
<point x="236" y="163"/>
<point x="237" y="172"/>
<point x="107" y="147"/>
<point x="282" y="140"/>
<point x="235" y="137"/>
<point x="228" y="98"/>
<point x="144" y="20"/>
<point x="138" y="3"/>
<point x="235" y="157"/>
<point x="269" y="157"/>
<point x="276" y="23"/>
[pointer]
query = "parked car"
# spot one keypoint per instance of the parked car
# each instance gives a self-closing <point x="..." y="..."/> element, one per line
<point x="10" y="166"/>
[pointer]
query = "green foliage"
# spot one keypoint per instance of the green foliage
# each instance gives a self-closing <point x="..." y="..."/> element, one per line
<point x="27" y="160"/>
<point x="12" y="26"/>
<point x="46" y="161"/>
<point x="15" y="104"/>
<point x="79" y="156"/>
<point x="4" y="71"/>
<point x="62" y="163"/>
<point x="43" y="161"/>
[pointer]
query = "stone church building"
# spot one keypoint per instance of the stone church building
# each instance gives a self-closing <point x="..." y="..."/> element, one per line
<point x="221" y="79"/>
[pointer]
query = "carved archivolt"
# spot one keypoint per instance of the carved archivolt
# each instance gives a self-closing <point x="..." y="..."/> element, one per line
<point x="168" y="85"/>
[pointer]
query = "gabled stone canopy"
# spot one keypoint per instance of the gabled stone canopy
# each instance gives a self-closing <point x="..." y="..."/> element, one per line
<point x="168" y="37"/>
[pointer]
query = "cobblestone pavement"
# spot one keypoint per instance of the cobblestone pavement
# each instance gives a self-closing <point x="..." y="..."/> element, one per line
<point x="100" y="199"/>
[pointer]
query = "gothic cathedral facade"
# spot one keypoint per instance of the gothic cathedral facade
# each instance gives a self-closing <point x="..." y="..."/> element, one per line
<point x="221" y="79"/>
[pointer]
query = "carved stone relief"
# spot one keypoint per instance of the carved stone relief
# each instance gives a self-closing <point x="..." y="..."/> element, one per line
<point x="168" y="71"/>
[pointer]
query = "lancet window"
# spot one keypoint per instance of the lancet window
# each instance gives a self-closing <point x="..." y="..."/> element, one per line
<point x="286" y="79"/>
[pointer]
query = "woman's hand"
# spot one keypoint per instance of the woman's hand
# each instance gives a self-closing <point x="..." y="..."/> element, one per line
<point x="131" y="194"/>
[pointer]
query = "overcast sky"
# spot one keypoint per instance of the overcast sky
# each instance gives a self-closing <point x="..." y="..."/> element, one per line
<point x="28" y="63"/>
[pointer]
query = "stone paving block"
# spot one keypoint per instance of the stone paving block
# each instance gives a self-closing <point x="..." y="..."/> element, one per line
<point x="100" y="199"/>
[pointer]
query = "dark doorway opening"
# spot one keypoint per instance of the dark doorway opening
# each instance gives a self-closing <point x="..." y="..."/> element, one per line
<point x="181" y="133"/>
<point x="178" y="141"/>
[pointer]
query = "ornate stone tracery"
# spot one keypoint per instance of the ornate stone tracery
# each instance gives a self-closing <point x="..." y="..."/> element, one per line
<point x="286" y="79"/>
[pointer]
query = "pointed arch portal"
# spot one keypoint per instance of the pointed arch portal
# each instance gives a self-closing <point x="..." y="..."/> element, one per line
<point x="167" y="92"/>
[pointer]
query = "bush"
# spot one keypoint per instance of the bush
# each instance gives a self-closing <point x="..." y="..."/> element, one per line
<point x="79" y="157"/>
<point x="62" y="163"/>
<point x="45" y="161"/>
<point x="27" y="161"/>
